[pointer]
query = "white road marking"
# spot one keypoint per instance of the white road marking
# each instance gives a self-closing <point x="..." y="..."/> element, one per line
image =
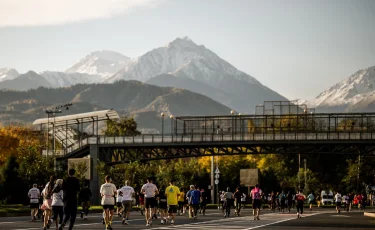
<point x="280" y="221"/>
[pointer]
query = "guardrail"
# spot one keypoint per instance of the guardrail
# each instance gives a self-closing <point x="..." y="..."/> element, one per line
<point x="200" y="138"/>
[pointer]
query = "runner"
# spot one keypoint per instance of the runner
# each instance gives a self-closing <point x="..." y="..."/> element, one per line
<point x="181" y="202"/>
<point x="203" y="204"/>
<point x="193" y="197"/>
<point x="289" y="200"/>
<point x="256" y="194"/>
<point x="141" y="198"/>
<point x="84" y="196"/>
<point x="237" y="201"/>
<point x="149" y="190"/>
<point x="282" y="201"/>
<point x="172" y="193"/>
<point x="47" y="203"/>
<point x="163" y="207"/>
<point x="243" y="200"/>
<point x="345" y="200"/>
<point x="273" y="201"/>
<point x="119" y="202"/>
<point x="338" y="201"/>
<point x="57" y="203"/>
<point x="222" y="201"/>
<point x="311" y="199"/>
<point x="71" y="188"/>
<point x="34" y="195"/>
<point x="108" y="192"/>
<point x="229" y="200"/>
<point x="127" y="192"/>
<point x="300" y="197"/>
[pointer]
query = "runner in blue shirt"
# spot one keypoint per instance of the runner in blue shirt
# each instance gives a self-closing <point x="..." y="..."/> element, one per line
<point x="193" y="197"/>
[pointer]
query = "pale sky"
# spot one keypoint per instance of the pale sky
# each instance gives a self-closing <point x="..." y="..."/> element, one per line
<point x="296" y="47"/>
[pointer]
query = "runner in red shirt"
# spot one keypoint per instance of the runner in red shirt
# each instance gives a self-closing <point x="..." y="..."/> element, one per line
<point x="300" y="197"/>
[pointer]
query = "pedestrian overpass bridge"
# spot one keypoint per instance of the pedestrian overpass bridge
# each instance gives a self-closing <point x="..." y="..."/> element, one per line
<point x="286" y="128"/>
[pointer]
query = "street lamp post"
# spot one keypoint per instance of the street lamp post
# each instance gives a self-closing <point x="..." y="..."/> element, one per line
<point x="171" y="117"/>
<point x="162" y="127"/>
<point x="241" y="133"/>
<point x="53" y="112"/>
<point x="232" y="112"/>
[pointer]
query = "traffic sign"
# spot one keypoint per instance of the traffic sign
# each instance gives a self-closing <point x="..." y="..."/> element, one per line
<point x="217" y="176"/>
<point x="216" y="181"/>
<point x="217" y="171"/>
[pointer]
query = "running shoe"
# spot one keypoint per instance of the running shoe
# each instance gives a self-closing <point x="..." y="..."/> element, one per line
<point x="172" y="222"/>
<point x="162" y="221"/>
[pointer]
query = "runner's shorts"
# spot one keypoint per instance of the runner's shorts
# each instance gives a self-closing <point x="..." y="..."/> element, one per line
<point x="172" y="209"/>
<point x="338" y="204"/>
<point x="110" y="207"/>
<point x="127" y="205"/>
<point x="85" y="204"/>
<point x="163" y="205"/>
<point x="119" y="204"/>
<point x="150" y="202"/>
<point x="256" y="204"/>
<point x="34" y="205"/>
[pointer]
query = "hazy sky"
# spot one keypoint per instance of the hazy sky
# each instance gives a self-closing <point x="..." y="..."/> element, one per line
<point x="296" y="47"/>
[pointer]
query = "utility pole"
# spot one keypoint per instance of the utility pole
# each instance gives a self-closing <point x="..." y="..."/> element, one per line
<point x="299" y="166"/>
<point x="212" y="180"/>
<point x="305" y="175"/>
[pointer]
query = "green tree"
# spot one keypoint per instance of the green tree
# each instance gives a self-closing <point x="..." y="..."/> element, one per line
<point x="126" y="126"/>
<point x="12" y="186"/>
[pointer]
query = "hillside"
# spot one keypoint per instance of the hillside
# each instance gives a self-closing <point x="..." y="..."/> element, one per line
<point x="143" y="101"/>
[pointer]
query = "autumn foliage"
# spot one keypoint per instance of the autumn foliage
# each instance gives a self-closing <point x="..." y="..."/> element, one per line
<point x="17" y="140"/>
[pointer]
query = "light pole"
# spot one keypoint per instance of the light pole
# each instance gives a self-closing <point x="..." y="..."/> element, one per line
<point x="232" y="112"/>
<point x="53" y="112"/>
<point x="162" y="127"/>
<point x="304" y="161"/>
<point x="240" y="126"/>
<point x="171" y="117"/>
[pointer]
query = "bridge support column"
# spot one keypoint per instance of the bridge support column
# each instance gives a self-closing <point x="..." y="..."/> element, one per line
<point x="95" y="180"/>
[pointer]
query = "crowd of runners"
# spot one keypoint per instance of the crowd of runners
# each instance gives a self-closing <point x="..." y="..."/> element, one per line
<point x="57" y="201"/>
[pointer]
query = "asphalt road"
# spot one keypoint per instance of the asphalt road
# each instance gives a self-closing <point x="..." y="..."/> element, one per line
<point x="317" y="219"/>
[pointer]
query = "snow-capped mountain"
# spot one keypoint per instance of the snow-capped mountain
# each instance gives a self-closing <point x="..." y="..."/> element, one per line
<point x="8" y="74"/>
<point x="183" y="58"/>
<point x="61" y="79"/>
<point x="103" y="63"/>
<point x="356" y="88"/>
<point x="190" y="64"/>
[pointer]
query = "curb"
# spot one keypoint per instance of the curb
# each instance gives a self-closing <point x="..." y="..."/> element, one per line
<point x="369" y="214"/>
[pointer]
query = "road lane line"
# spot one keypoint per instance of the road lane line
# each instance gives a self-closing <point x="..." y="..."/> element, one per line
<point x="280" y="221"/>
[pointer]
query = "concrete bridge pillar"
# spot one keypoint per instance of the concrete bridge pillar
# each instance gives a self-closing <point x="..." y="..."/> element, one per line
<point x="95" y="179"/>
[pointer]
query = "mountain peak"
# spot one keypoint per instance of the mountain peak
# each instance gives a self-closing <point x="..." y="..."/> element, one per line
<point x="104" y="63"/>
<point x="8" y="74"/>
<point x="182" y="41"/>
<point x="349" y="91"/>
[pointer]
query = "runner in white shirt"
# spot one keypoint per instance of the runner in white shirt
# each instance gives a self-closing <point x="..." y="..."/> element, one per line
<point x="119" y="203"/>
<point x="150" y="190"/>
<point x="338" y="202"/>
<point x="127" y="193"/>
<point x="34" y="195"/>
<point x="108" y="192"/>
<point x="243" y="200"/>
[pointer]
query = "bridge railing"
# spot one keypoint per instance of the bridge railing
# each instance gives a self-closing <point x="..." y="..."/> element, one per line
<point x="201" y="138"/>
